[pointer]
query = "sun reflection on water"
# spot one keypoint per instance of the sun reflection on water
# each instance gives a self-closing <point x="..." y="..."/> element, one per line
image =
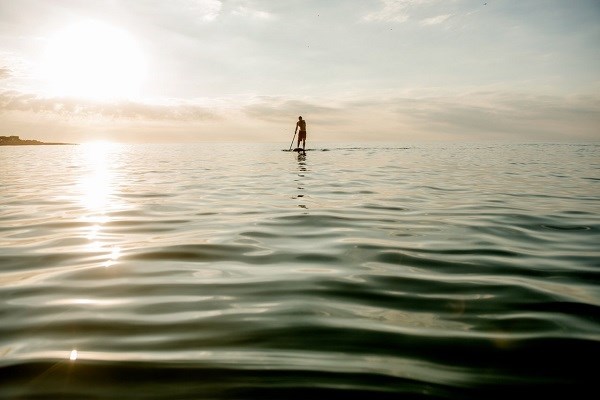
<point x="97" y="190"/>
<point x="96" y="185"/>
<point x="112" y="257"/>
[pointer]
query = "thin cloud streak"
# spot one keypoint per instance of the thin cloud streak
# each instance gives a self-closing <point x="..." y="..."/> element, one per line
<point x="247" y="12"/>
<point x="5" y="73"/>
<point x="124" y="110"/>
<point x="207" y="10"/>
<point x="436" y="20"/>
<point x="395" y="10"/>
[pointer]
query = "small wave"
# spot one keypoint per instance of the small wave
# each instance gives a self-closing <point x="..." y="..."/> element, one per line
<point x="457" y="272"/>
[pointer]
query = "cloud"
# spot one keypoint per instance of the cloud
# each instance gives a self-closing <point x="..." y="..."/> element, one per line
<point x="506" y="115"/>
<point x="427" y="12"/>
<point x="282" y="110"/>
<point x="435" y="20"/>
<point x="207" y="10"/>
<point x="468" y="115"/>
<point x="159" y="13"/>
<point x="395" y="10"/>
<point x="5" y="73"/>
<point x="244" y="11"/>
<point x="125" y="111"/>
<point x="462" y="116"/>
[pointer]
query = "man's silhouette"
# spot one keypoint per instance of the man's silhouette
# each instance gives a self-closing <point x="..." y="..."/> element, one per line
<point x="302" y="134"/>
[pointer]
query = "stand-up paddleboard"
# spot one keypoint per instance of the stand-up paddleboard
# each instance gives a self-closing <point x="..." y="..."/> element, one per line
<point x="299" y="150"/>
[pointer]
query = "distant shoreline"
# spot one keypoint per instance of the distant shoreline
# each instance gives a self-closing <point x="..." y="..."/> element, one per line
<point x="16" y="141"/>
<point x="38" y="144"/>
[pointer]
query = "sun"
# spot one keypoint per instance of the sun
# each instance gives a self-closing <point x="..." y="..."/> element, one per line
<point x="93" y="60"/>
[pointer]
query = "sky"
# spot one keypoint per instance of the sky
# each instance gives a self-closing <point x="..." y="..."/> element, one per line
<point x="356" y="70"/>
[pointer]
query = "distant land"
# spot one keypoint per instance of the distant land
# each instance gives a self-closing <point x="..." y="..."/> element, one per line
<point x="16" y="141"/>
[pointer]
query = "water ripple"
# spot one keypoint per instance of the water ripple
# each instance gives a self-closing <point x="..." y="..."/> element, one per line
<point x="380" y="272"/>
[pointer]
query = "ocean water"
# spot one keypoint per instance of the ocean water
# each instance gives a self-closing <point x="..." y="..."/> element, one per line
<point x="235" y="271"/>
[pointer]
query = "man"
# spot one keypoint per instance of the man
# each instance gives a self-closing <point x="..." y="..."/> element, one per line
<point x="302" y="135"/>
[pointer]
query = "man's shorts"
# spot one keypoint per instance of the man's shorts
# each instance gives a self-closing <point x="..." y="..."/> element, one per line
<point x="302" y="135"/>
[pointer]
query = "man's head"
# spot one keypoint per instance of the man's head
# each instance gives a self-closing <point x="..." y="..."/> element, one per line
<point x="300" y="118"/>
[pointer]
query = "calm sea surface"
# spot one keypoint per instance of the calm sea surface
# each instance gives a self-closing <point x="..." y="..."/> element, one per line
<point x="229" y="271"/>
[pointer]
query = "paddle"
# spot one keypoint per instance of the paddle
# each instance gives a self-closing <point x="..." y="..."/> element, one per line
<point x="292" y="140"/>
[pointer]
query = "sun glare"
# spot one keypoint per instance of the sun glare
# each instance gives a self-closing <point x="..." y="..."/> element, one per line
<point x="95" y="61"/>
